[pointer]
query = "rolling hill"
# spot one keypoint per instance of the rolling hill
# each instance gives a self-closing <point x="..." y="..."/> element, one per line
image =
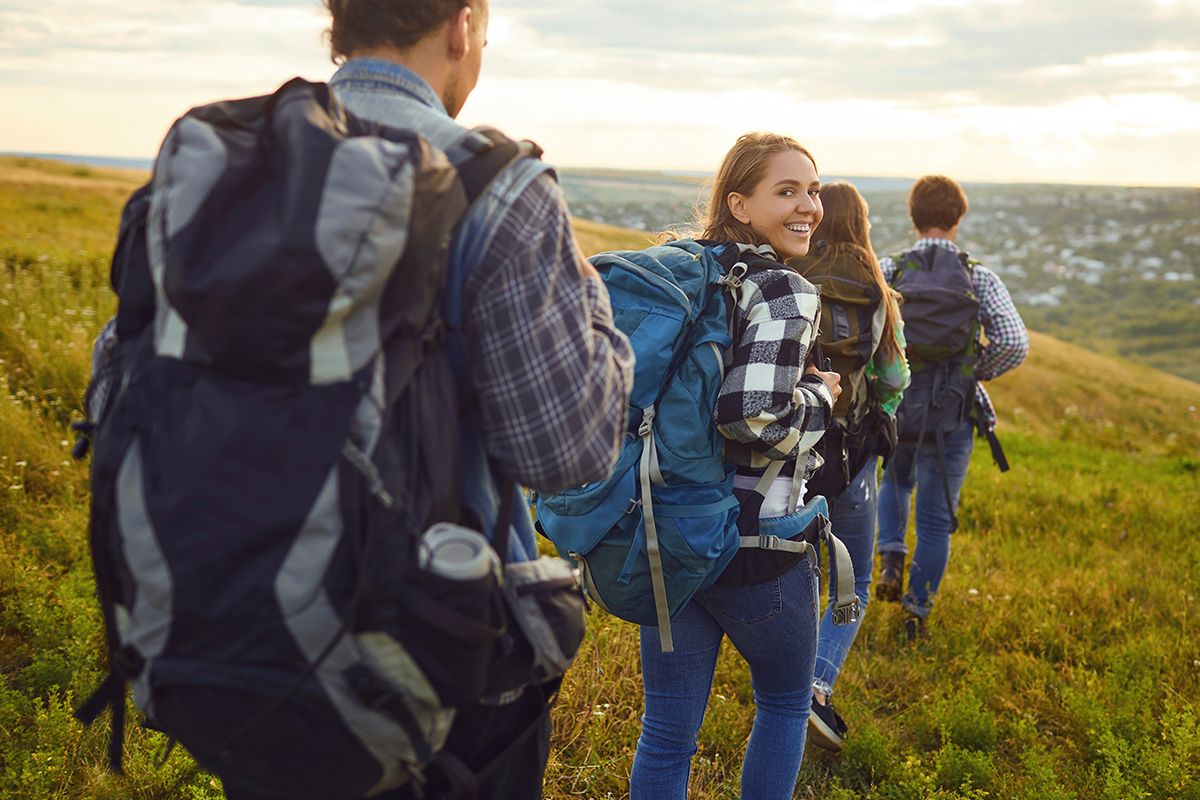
<point x="1064" y="659"/>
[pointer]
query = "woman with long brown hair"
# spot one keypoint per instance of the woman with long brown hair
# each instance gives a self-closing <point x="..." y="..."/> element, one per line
<point x="764" y="208"/>
<point x="863" y="335"/>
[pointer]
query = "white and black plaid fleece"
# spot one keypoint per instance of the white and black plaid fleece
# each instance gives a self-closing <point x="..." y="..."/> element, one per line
<point x="768" y="409"/>
<point x="551" y="371"/>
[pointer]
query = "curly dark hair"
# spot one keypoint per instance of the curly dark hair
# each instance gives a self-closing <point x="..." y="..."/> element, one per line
<point x="362" y="24"/>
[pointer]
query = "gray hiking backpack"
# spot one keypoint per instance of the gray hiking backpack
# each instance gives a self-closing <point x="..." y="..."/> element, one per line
<point x="941" y="326"/>
<point x="265" y="476"/>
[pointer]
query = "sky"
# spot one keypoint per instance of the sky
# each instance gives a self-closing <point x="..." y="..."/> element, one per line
<point x="1062" y="91"/>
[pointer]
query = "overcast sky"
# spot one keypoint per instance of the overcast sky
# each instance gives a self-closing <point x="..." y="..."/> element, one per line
<point x="1084" y="91"/>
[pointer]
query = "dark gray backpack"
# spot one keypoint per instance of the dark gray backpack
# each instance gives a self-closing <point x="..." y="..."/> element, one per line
<point x="264" y="469"/>
<point x="941" y="327"/>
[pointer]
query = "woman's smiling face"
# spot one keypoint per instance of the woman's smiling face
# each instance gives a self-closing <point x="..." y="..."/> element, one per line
<point x="785" y="207"/>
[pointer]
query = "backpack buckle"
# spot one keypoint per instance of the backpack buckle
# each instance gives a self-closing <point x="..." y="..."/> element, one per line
<point x="768" y="542"/>
<point x="846" y="614"/>
<point x="633" y="504"/>
<point x="647" y="422"/>
<point x="733" y="278"/>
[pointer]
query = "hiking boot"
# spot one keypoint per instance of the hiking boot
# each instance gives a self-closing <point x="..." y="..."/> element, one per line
<point x="914" y="627"/>
<point x="890" y="583"/>
<point x="826" y="729"/>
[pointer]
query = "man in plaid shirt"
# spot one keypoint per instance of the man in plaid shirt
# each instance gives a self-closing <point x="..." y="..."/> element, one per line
<point x="548" y="372"/>
<point x="937" y="205"/>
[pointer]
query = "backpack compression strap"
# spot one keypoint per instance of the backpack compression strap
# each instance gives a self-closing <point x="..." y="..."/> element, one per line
<point x="658" y="583"/>
<point x="649" y="473"/>
<point x="993" y="443"/>
<point x="846" y="608"/>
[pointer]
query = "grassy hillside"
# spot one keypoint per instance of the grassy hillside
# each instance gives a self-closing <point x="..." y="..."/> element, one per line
<point x="1064" y="659"/>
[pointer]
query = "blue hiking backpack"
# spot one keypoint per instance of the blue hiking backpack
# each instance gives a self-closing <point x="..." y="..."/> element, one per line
<point x="643" y="561"/>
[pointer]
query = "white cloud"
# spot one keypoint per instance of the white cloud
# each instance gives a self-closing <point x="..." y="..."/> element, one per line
<point x="1100" y="90"/>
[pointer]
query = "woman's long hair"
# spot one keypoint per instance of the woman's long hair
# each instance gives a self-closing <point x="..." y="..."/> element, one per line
<point x="847" y="229"/>
<point x="741" y="170"/>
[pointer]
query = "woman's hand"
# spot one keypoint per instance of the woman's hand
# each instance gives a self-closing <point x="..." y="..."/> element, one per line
<point x="831" y="379"/>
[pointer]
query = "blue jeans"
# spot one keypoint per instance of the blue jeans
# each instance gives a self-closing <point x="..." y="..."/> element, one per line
<point x="852" y="515"/>
<point x="773" y="625"/>
<point x="933" y="515"/>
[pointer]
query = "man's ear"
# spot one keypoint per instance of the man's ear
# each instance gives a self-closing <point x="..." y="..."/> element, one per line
<point x="459" y="34"/>
<point x="737" y="206"/>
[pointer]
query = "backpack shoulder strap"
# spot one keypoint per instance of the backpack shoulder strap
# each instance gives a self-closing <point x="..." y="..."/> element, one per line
<point x="483" y="154"/>
<point x="904" y="261"/>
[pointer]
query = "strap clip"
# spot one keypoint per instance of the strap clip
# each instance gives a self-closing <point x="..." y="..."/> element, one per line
<point x="845" y="614"/>
<point x="647" y="422"/>
<point x="768" y="542"/>
<point x="733" y="279"/>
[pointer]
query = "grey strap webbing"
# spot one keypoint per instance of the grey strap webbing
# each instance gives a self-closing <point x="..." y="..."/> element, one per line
<point x="797" y="485"/>
<point x="768" y="477"/>
<point x="657" y="582"/>
<point x="656" y="476"/>
<point x="846" y="608"/>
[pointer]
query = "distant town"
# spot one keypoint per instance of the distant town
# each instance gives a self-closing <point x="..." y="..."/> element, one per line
<point x="1111" y="268"/>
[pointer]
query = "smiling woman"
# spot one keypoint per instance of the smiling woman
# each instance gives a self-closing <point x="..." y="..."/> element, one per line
<point x="772" y="410"/>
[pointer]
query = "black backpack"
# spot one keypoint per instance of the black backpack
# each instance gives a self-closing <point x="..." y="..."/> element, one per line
<point x="265" y="467"/>
<point x="941" y="327"/>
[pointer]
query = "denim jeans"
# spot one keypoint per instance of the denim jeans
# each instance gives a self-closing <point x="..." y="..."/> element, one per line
<point x="773" y="626"/>
<point x="933" y="516"/>
<point x="852" y="515"/>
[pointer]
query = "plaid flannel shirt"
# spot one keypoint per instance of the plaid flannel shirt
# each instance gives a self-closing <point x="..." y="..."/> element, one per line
<point x="1007" y="340"/>
<point x="551" y="372"/>
<point x="767" y="408"/>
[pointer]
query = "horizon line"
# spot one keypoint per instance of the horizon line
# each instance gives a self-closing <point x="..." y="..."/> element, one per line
<point x="145" y="164"/>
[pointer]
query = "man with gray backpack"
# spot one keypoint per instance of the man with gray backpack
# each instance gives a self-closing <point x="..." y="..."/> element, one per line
<point x="347" y="328"/>
<point x="949" y="299"/>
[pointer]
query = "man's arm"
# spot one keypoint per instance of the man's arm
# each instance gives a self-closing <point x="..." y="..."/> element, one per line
<point x="551" y="372"/>
<point x="1008" y="341"/>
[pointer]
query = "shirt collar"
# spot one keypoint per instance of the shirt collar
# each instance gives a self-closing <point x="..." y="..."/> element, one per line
<point x="389" y="75"/>
<point x="936" y="241"/>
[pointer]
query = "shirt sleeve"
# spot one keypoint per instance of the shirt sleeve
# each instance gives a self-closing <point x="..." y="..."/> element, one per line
<point x="551" y="372"/>
<point x="889" y="375"/>
<point x="888" y="265"/>
<point x="1008" y="341"/>
<point x="766" y="401"/>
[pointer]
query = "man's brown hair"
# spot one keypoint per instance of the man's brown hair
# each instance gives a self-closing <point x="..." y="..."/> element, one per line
<point x="936" y="201"/>
<point x="363" y="24"/>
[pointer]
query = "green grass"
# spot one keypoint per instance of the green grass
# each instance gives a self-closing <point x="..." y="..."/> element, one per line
<point x="1064" y="659"/>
